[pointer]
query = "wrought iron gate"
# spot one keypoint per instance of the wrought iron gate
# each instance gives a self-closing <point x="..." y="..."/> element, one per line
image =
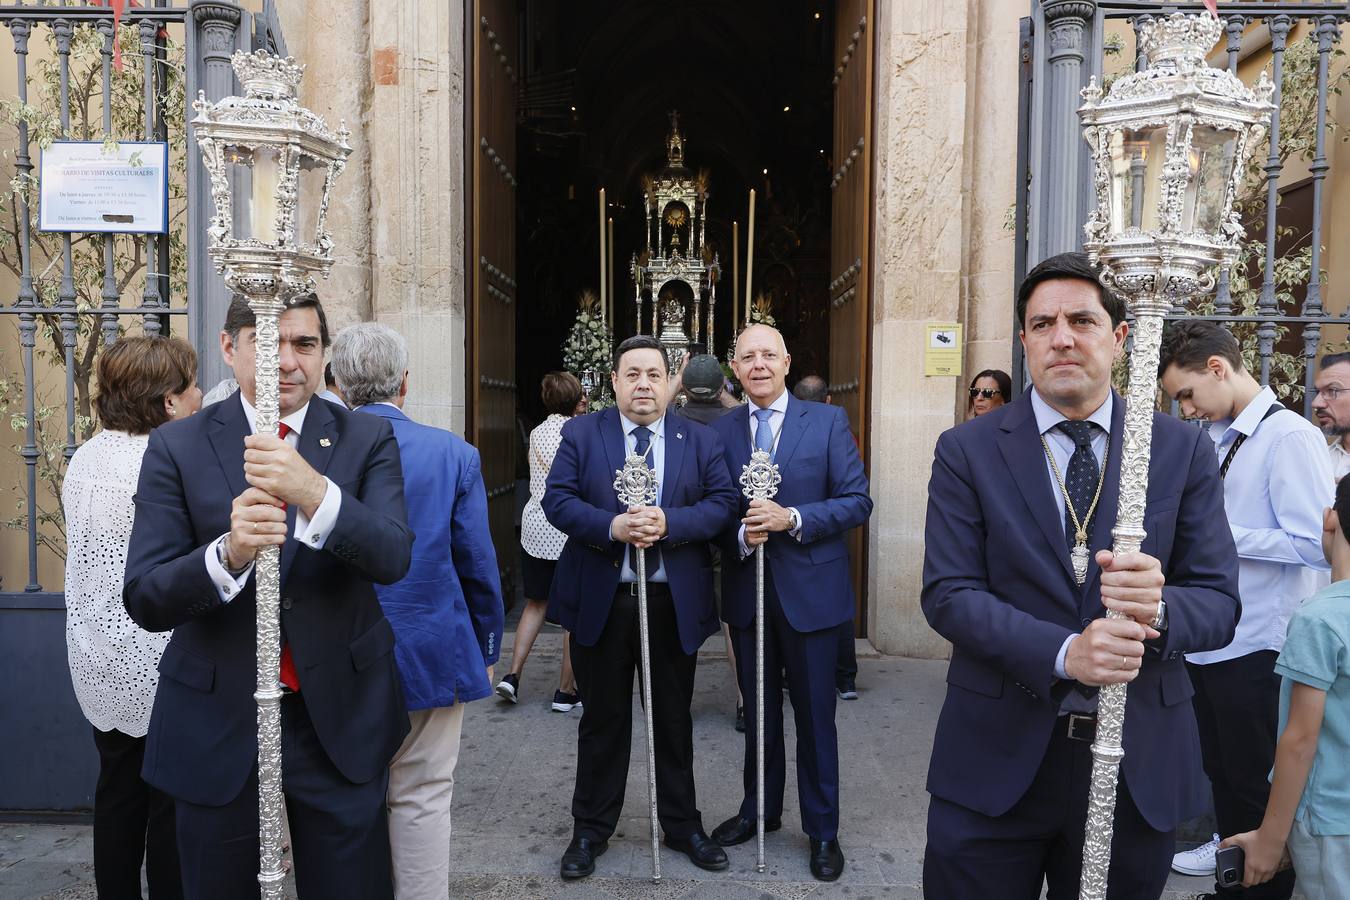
<point x="72" y="294"/>
<point x="1274" y="297"/>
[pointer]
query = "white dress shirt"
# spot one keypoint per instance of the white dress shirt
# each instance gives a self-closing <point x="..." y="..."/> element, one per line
<point x="1277" y="486"/>
<point x="656" y="458"/>
<point x="313" y="533"/>
<point x="1062" y="448"/>
<point x="1340" y="460"/>
<point x="778" y="410"/>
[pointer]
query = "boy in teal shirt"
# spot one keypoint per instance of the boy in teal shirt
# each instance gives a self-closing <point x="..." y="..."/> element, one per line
<point x="1309" y="807"/>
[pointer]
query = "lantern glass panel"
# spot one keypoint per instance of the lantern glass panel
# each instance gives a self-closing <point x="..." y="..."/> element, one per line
<point x="256" y="171"/>
<point x="313" y="173"/>
<point x="1209" y="165"/>
<point x="1136" y="160"/>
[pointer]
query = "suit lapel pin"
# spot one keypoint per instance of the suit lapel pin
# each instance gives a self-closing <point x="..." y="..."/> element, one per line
<point x="679" y="435"/>
<point x="325" y="442"/>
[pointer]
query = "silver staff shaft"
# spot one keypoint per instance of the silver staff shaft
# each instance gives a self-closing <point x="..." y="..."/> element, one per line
<point x="268" y="590"/>
<point x="1128" y="535"/>
<point x="646" y="652"/>
<point x="759" y="481"/>
<point x="759" y="708"/>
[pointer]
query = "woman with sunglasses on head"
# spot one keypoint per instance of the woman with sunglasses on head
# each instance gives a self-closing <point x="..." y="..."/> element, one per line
<point x="988" y="391"/>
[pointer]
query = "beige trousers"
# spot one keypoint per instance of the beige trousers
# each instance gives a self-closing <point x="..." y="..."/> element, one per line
<point x="421" y="780"/>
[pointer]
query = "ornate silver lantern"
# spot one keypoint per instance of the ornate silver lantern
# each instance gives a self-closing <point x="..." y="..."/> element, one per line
<point x="268" y="237"/>
<point x="1169" y="145"/>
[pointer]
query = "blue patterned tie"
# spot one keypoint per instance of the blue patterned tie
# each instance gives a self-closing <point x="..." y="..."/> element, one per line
<point x="642" y="435"/>
<point x="764" y="431"/>
<point x="1081" y="478"/>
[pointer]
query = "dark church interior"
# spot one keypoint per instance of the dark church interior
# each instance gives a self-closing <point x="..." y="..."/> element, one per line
<point x="751" y="81"/>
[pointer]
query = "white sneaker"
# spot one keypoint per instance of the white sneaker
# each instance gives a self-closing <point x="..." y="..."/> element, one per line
<point x="1199" y="861"/>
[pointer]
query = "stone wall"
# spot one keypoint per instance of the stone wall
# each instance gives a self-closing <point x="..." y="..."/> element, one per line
<point x="946" y="123"/>
<point x="398" y="78"/>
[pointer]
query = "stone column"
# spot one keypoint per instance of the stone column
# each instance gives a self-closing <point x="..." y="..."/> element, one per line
<point x="1063" y="152"/>
<point x="417" y="109"/>
<point x="945" y="91"/>
<point x="215" y="34"/>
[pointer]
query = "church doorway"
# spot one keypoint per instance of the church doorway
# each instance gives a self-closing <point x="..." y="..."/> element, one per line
<point x="566" y="99"/>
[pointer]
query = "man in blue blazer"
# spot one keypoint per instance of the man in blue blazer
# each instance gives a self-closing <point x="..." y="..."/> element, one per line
<point x="1015" y="497"/>
<point x="808" y="594"/>
<point x="329" y="492"/>
<point x="447" y="613"/>
<point x="594" y="596"/>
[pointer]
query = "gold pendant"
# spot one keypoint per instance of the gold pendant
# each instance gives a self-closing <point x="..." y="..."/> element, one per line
<point x="1079" y="555"/>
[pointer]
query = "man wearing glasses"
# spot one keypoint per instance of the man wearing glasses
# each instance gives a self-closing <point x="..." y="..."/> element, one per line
<point x="1331" y="408"/>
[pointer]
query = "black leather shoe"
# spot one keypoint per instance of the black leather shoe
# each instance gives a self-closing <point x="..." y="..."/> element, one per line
<point x="702" y="851"/>
<point x="578" y="859"/>
<point x="827" y="860"/>
<point x="738" y="830"/>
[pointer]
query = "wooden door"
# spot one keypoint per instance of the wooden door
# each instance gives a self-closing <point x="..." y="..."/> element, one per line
<point x="491" y="270"/>
<point x="850" y="225"/>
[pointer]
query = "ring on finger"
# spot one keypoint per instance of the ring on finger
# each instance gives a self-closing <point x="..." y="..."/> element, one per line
<point x="1124" y="662"/>
<point x="257" y="526"/>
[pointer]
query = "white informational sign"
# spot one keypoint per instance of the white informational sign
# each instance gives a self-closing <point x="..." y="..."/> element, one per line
<point x="87" y="186"/>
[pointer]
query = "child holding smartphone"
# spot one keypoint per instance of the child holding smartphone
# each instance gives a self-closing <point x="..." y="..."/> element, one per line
<point x="1309" y="807"/>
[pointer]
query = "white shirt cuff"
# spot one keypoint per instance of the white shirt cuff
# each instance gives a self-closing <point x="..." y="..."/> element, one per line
<point x="740" y="539"/>
<point x="313" y="533"/>
<point x="797" y="517"/>
<point x="1060" y="671"/>
<point x="227" y="586"/>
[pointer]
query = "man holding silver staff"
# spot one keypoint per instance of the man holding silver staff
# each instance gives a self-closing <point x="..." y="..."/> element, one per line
<point x="595" y="596"/>
<point x="808" y="594"/>
<point x="1018" y="576"/>
<point x="329" y="491"/>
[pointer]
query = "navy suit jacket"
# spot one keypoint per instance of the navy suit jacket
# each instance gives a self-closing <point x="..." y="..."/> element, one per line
<point x="696" y="496"/>
<point x="203" y="741"/>
<point x="998" y="583"/>
<point x="447" y="612"/>
<point x="823" y="478"/>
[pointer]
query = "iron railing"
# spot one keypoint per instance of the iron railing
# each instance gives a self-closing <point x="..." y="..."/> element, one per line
<point x="1064" y="42"/>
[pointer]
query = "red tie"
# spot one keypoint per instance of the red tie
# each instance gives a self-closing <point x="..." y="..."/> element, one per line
<point x="288" y="675"/>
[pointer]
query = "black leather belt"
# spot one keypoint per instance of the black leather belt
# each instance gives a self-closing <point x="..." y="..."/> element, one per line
<point x="1080" y="727"/>
<point x="630" y="588"/>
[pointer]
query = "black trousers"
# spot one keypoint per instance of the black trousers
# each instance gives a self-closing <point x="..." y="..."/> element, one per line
<point x="1237" y="704"/>
<point x="971" y="856"/>
<point x="132" y="821"/>
<point x="339" y="830"/>
<point x="847" y="667"/>
<point x="604" y="736"/>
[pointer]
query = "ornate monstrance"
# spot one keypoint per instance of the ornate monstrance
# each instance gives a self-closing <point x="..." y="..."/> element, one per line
<point x="676" y="273"/>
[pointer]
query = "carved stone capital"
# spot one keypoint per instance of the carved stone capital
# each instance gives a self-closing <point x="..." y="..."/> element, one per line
<point x="1081" y="10"/>
<point x="225" y="12"/>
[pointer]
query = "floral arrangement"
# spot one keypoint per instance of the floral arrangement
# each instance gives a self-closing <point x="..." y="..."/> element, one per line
<point x="587" y="349"/>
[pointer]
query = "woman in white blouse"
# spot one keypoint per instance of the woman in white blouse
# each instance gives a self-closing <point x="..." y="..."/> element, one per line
<point x="143" y="382"/>
<point x="541" y="543"/>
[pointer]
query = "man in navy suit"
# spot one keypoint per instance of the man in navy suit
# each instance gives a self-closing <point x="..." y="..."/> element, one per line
<point x="329" y="492"/>
<point x="594" y="596"/>
<point x="808" y="594"/>
<point x="1015" y="496"/>
<point x="447" y="612"/>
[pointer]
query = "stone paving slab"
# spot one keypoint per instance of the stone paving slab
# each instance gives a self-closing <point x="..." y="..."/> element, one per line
<point x="514" y="783"/>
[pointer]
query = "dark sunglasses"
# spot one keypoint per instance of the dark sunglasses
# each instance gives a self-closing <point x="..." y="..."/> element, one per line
<point x="985" y="393"/>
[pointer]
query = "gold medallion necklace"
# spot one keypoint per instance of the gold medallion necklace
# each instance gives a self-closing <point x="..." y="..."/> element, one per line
<point x="1079" y="555"/>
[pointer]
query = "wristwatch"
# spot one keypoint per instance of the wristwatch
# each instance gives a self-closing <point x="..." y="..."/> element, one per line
<point x="796" y="518"/>
<point x="223" y="557"/>
<point x="1159" y="622"/>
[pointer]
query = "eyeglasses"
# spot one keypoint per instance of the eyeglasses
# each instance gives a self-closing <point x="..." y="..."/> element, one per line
<point x="985" y="393"/>
<point x="1331" y="393"/>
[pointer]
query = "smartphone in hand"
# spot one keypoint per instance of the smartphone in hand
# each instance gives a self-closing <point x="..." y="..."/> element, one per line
<point x="1230" y="864"/>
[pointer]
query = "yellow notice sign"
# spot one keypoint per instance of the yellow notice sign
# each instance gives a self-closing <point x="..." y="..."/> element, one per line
<point x="942" y="349"/>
